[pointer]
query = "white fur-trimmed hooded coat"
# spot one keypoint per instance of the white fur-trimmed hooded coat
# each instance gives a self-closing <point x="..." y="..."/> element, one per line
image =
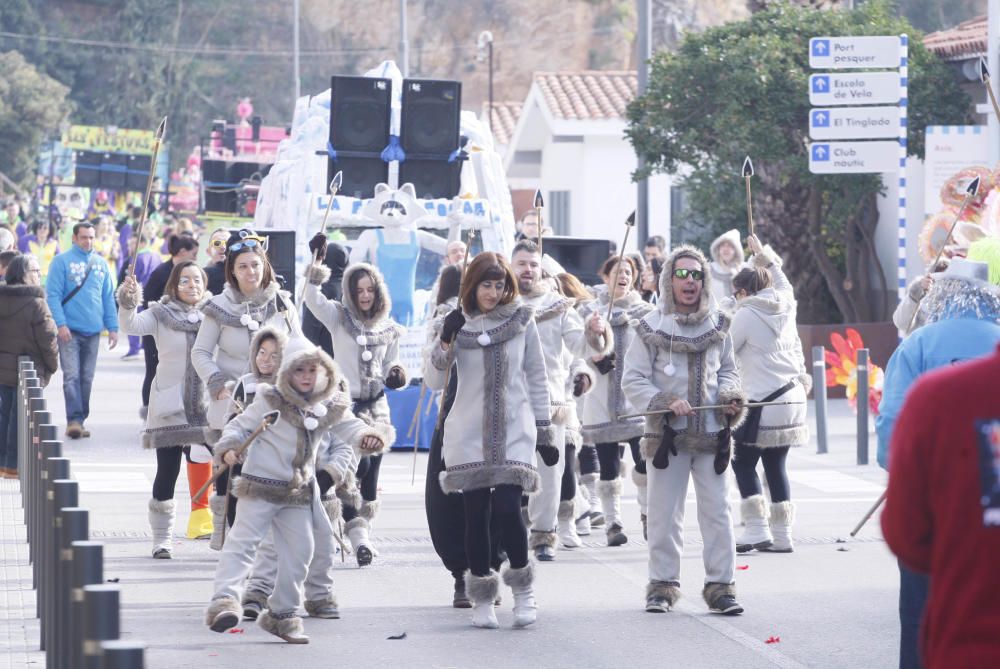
<point x="221" y="354"/>
<point x="769" y="355"/>
<point x="722" y="275"/>
<point x="280" y="465"/>
<point x="501" y="404"/>
<point x="606" y="401"/>
<point x="178" y="402"/>
<point x="704" y="365"/>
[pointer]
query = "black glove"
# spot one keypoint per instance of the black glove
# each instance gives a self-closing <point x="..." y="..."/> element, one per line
<point x="724" y="449"/>
<point x="453" y="322"/>
<point x="580" y="385"/>
<point x="548" y="454"/>
<point x="606" y="364"/>
<point x="667" y="445"/>
<point x="318" y="246"/>
<point x="396" y="378"/>
<point x="325" y="482"/>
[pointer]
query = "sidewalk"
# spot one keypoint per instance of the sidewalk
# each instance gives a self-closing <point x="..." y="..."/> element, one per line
<point x="831" y="604"/>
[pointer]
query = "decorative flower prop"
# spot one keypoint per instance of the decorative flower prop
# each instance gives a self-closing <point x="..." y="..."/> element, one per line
<point x="842" y="370"/>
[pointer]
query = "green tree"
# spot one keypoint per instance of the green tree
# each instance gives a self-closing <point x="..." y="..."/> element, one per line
<point x="31" y="107"/>
<point x="742" y="89"/>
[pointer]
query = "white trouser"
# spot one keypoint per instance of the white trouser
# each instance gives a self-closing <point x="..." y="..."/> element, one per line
<point x="666" y="492"/>
<point x="543" y="506"/>
<point x="293" y="531"/>
<point x="319" y="578"/>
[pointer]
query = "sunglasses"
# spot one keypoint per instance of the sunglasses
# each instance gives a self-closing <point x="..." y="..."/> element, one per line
<point x="218" y="243"/>
<point x="695" y="274"/>
<point x="247" y="243"/>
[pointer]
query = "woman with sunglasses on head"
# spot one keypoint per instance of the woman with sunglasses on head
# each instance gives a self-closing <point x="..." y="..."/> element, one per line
<point x="251" y="299"/>
<point x="176" y="420"/>
<point x="215" y="270"/>
<point x="500" y="413"/>
<point x="606" y="401"/>
<point x="769" y="355"/>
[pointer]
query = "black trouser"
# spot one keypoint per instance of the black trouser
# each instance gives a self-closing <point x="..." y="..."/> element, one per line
<point x="168" y="468"/>
<point x="745" y="468"/>
<point x="589" y="463"/>
<point x="367" y="475"/>
<point x="568" y="489"/>
<point x="152" y="358"/>
<point x="502" y="506"/>
<point x="610" y="455"/>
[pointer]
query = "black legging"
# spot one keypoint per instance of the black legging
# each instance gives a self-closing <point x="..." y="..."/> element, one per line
<point x="610" y="455"/>
<point x="568" y="490"/>
<point x="367" y="475"/>
<point x="502" y="506"/>
<point x="152" y="359"/>
<point x="168" y="468"/>
<point x="588" y="460"/>
<point x="745" y="468"/>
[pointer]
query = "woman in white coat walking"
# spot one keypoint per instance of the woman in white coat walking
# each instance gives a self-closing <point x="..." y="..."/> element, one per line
<point x="769" y="356"/>
<point x="176" y="421"/>
<point x="501" y="411"/>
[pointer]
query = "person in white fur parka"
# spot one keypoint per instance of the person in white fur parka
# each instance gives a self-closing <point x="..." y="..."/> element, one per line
<point x="366" y="347"/>
<point x="500" y="414"/>
<point x="682" y="357"/>
<point x="278" y="488"/>
<point x="726" y="252"/>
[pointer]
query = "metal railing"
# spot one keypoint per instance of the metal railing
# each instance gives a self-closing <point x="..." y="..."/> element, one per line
<point x="79" y="613"/>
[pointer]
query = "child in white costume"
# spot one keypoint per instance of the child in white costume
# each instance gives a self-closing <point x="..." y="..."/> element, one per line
<point x="278" y="490"/>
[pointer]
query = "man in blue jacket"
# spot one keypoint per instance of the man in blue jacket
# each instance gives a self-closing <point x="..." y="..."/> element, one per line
<point x="81" y="291"/>
<point x="962" y="308"/>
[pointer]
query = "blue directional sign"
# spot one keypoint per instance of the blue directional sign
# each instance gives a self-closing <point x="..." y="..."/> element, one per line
<point x="820" y="118"/>
<point x="820" y="47"/>
<point x="820" y="152"/>
<point x="820" y="83"/>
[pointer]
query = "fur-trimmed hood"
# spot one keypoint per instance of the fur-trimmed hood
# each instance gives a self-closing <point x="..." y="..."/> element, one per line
<point x="258" y="339"/>
<point x="262" y="296"/>
<point x="299" y="350"/>
<point x="666" y="303"/>
<point x="381" y="290"/>
<point x="733" y="237"/>
<point x="771" y="307"/>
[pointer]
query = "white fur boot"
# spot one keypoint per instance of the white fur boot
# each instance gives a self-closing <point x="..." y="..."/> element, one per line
<point x="610" y="493"/>
<point x="357" y="534"/>
<point x="483" y="590"/>
<point x="521" y="582"/>
<point x="161" y="522"/>
<point x="369" y="511"/>
<point x="641" y="494"/>
<point x="782" y="518"/>
<point x="567" y="525"/>
<point x="589" y="484"/>
<point x="217" y="503"/>
<point x="756" y="534"/>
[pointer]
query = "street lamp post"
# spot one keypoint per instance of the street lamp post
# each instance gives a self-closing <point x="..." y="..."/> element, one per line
<point x="485" y="45"/>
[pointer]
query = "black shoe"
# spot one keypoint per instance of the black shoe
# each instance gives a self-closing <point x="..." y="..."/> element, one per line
<point x="461" y="600"/>
<point x="224" y="621"/>
<point x="544" y="553"/>
<point x="364" y="555"/>
<point x="251" y="610"/>
<point x="655" y="604"/>
<point x="616" y="535"/>
<point x="726" y="605"/>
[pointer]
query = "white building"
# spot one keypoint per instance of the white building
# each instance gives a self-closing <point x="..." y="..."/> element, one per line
<point x="569" y="140"/>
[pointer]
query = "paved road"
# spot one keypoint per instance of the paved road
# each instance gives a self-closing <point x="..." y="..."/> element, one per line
<point x="831" y="604"/>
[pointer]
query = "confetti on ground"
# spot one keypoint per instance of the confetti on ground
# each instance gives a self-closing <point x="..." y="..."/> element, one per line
<point x="843" y="549"/>
<point x="773" y="639"/>
<point x="397" y="637"/>
<point x="236" y="630"/>
<point x="742" y="567"/>
<point x="841" y="540"/>
<point x="113" y="580"/>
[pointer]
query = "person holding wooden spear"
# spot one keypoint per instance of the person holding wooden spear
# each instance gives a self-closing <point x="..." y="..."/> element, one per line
<point x="682" y="358"/>
<point x="278" y="487"/>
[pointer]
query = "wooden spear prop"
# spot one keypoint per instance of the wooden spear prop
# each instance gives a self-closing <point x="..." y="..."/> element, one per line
<point x="267" y="421"/>
<point x="539" y="206"/>
<point x="747" y="173"/>
<point x="338" y="180"/>
<point x="157" y="140"/>
<point x="629" y="224"/>
<point x="984" y="75"/>
<point x="709" y="407"/>
<point x="970" y="192"/>
<point x="871" y="512"/>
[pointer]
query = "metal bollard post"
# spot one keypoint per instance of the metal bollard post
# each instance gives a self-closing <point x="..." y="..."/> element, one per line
<point x="819" y="396"/>
<point x="862" y="398"/>
<point x="25" y="370"/>
<point x="101" y="621"/>
<point x="122" y="655"/>
<point x="47" y="449"/>
<point x="72" y="524"/>
<point x="88" y="569"/>
<point x="56" y="497"/>
<point x="34" y="400"/>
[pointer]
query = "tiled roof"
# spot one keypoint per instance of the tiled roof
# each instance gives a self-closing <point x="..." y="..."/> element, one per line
<point x="588" y="94"/>
<point x="504" y="119"/>
<point x="966" y="40"/>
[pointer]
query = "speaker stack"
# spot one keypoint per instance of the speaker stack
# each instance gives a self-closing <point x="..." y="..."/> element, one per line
<point x="360" y="114"/>
<point x="222" y="180"/>
<point x="111" y="171"/>
<point x="281" y="253"/>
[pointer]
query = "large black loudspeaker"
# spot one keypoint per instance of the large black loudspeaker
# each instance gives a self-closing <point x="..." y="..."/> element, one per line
<point x="432" y="178"/>
<point x="430" y="121"/>
<point x="359" y="130"/>
<point x="138" y="172"/>
<point x="216" y="181"/>
<point x="281" y="253"/>
<point x="88" y="169"/>
<point x="113" y="170"/>
<point x="581" y="257"/>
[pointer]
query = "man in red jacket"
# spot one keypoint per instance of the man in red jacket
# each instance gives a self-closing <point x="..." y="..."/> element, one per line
<point x="942" y="513"/>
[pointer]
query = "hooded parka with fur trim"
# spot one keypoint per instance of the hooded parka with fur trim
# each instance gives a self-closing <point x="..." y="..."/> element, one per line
<point x="722" y="274"/>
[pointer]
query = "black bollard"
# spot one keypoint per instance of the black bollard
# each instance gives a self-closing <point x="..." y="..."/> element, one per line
<point x="48" y="449"/>
<point x="32" y="462"/>
<point x="862" y="404"/>
<point x="122" y="655"/>
<point x="56" y="496"/>
<point x="72" y="524"/>
<point x="25" y="371"/>
<point x="101" y="621"/>
<point x="42" y="433"/>
<point x="88" y="569"/>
